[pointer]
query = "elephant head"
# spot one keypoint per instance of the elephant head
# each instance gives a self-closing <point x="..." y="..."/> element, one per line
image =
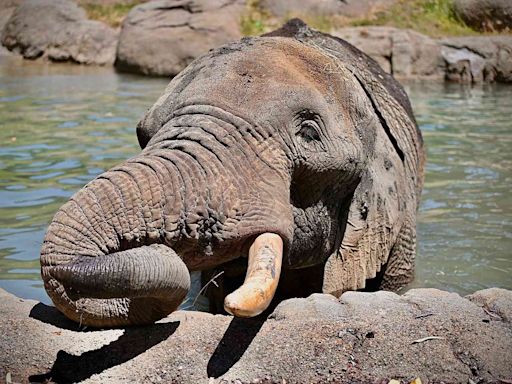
<point x="294" y="149"/>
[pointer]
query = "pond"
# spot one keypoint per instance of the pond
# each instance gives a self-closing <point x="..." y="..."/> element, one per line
<point x="61" y="125"/>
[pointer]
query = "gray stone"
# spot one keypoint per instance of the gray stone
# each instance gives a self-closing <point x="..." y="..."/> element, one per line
<point x="409" y="54"/>
<point x="7" y="8"/>
<point x="360" y="338"/>
<point x="485" y="15"/>
<point x="58" y="30"/>
<point x="347" y="8"/>
<point x="316" y="306"/>
<point x="162" y="37"/>
<point x="496" y="302"/>
<point x="403" y="53"/>
<point x="474" y="59"/>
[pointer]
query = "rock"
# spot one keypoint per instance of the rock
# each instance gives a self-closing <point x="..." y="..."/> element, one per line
<point x="409" y="54"/>
<point x="485" y="15"/>
<point x="403" y="53"/>
<point x="162" y="37"/>
<point x="5" y="14"/>
<point x="316" y="306"/>
<point x="9" y="3"/>
<point x="362" y="337"/>
<point x="474" y="59"/>
<point x="347" y="8"/>
<point x="58" y="30"/>
<point x="495" y="301"/>
<point x="7" y="8"/>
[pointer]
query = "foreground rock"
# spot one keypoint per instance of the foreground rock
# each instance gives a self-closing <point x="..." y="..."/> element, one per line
<point x="485" y="15"/>
<point x="362" y="338"/>
<point x="162" y="37"/>
<point x="58" y="30"/>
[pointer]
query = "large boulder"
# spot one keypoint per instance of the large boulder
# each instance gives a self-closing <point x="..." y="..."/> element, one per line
<point x="58" y="30"/>
<point x="408" y="54"/>
<point x="162" y="37"/>
<point x="361" y="338"/>
<point x="402" y="52"/>
<point x="485" y="15"/>
<point x="347" y="8"/>
<point x="476" y="59"/>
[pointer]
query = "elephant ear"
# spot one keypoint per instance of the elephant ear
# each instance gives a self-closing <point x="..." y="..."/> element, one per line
<point x="376" y="215"/>
<point x="383" y="209"/>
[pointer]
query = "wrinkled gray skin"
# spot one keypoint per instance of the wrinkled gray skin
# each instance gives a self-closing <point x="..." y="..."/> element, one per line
<point x="295" y="133"/>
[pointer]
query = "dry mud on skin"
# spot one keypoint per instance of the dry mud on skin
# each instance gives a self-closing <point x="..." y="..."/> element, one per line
<point x="363" y="337"/>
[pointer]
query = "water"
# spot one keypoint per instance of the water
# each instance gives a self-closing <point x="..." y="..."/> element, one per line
<point x="465" y="219"/>
<point x="61" y="125"/>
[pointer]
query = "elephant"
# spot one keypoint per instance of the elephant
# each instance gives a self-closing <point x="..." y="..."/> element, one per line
<point x="290" y="161"/>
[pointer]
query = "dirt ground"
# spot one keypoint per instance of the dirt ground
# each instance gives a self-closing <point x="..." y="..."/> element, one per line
<point x="429" y="334"/>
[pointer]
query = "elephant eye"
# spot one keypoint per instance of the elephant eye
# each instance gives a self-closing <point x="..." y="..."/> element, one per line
<point x="309" y="131"/>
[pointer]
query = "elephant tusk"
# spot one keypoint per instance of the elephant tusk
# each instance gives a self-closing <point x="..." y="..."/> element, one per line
<point x="263" y="270"/>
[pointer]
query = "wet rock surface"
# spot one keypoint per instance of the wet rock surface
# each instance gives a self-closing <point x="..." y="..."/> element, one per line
<point x="162" y="37"/>
<point x="60" y="31"/>
<point x="362" y="337"/>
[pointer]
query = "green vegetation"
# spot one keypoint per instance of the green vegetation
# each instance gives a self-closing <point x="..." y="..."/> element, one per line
<point x="255" y="21"/>
<point x="434" y="18"/>
<point x="109" y="12"/>
<point x="431" y="17"/>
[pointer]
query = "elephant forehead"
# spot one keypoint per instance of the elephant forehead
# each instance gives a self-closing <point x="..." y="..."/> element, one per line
<point x="285" y="61"/>
<point x="258" y="75"/>
<point x="273" y="66"/>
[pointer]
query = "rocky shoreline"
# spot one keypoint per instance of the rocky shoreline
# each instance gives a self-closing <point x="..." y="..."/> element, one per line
<point x="162" y="37"/>
<point x="428" y="334"/>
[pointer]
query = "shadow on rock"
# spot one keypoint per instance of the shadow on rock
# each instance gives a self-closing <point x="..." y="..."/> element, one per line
<point x="135" y="341"/>
<point x="51" y="315"/>
<point x="234" y="343"/>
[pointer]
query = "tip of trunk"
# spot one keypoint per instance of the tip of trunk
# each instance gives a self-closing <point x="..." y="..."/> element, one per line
<point x="137" y="286"/>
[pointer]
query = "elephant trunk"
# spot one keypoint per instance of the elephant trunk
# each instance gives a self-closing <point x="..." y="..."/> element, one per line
<point x="119" y="252"/>
<point x="104" y="262"/>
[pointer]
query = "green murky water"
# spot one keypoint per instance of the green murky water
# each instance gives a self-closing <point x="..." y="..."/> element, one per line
<point x="62" y="125"/>
<point x="465" y="219"/>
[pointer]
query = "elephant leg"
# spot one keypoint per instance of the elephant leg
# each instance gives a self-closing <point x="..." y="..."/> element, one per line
<point x="399" y="270"/>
